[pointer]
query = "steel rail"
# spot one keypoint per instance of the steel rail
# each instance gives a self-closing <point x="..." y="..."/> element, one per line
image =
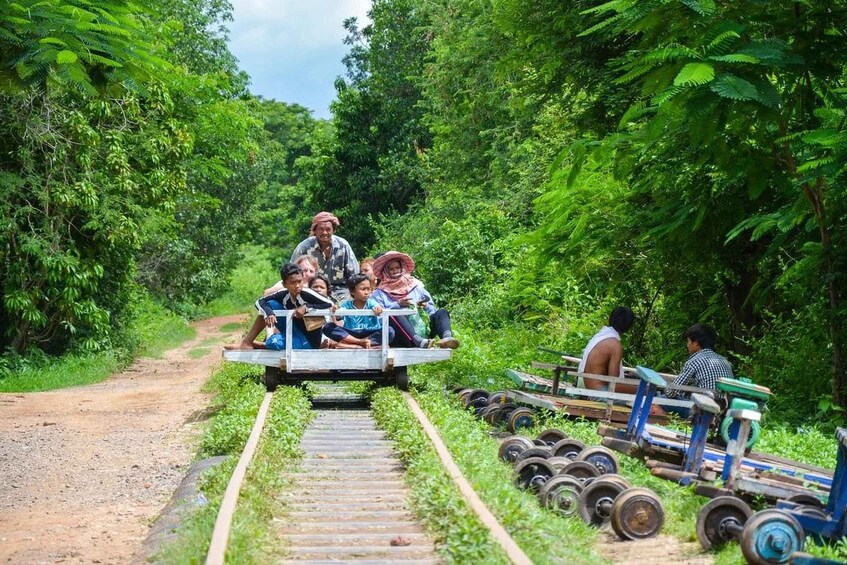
<point x="498" y="532"/>
<point x="223" y="523"/>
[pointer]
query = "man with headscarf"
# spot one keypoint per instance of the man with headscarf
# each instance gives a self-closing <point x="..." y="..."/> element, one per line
<point x="334" y="255"/>
<point x="399" y="289"/>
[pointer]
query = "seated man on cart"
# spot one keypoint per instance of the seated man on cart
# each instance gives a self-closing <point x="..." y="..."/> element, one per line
<point x="702" y="369"/>
<point x="604" y="353"/>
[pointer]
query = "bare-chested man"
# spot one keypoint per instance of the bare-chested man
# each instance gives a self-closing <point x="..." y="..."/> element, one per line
<point x="604" y="354"/>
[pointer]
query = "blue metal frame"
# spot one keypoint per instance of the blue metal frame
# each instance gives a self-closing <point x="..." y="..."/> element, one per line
<point x="835" y="525"/>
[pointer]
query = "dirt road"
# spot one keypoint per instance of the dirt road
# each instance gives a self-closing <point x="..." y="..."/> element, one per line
<point x="85" y="471"/>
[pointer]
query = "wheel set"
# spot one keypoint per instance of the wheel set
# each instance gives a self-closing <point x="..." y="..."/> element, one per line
<point x="573" y="480"/>
<point x="569" y="478"/>
<point x="495" y="409"/>
<point x="766" y="537"/>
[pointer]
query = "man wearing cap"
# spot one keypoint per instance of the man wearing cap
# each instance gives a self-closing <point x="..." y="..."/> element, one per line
<point x="399" y="289"/>
<point x="334" y="255"/>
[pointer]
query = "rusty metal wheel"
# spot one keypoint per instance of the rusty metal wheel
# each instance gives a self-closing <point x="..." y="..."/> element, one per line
<point x="596" y="500"/>
<point x="512" y="447"/>
<point x="721" y="520"/>
<point x="532" y="473"/>
<point x="551" y="436"/>
<point x="604" y="459"/>
<point x="613" y="478"/>
<point x="521" y="418"/>
<point x="637" y="513"/>
<point x="560" y="494"/>
<point x="535" y="451"/>
<point x="569" y="448"/>
<point x="580" y="470"/>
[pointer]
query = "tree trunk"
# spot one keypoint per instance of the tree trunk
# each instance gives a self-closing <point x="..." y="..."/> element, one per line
<point x="20" y="342"/>
<point x="814" y="194"/>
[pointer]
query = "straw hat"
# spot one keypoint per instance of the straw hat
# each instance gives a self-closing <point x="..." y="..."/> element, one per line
<point x="383" y="260"/>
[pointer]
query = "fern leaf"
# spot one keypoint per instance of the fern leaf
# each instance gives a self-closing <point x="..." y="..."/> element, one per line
<point x="634" y="112"/>
<point x="825" y="137"/>
<point x="722" y="39"/>
<point x="666" y="95"/>
<point x="597" y="27"/>
<point x="735" y="58"/>
<point x="695" y="74"/>
<point x="670" y="52"/>
<point x="634" y="74"/>
<point x="613" y="5"/>
<point x="815" y="164"/>
<point x="702" y="7"/>
<point x="734" y="88"/>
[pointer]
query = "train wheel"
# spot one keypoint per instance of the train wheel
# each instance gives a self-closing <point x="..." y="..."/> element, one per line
<point x="580" y="470"/>
<point x="473" y="396"/>
<point x="551" y="437"/>
<point x="596" y="500"/>
<point x="569" y="448"/>
<point x="401" y="377"/>
<point x="272" y="379"/>
<point x="602" y="458"/>
<point x="501" y="415"/>
<point x="614" y="479"/>
<point x="521" y="418"/>
<point x="512" y="447"/>
<point x="532" y="473"/>
<point x="806" y="500"/>
<point x="535" y="451"/>
<point x="771" y="536"/>
<point x="498" y="397"/>
<point x="637" y="513"/>
<point x="719" y="520"/>
<point x="559" y="463"/>
<point x="561" y="495"/>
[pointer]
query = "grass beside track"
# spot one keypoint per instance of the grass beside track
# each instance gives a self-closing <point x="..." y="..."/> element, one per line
<point x="252" y="539"/>
<point x="438" y="503"/>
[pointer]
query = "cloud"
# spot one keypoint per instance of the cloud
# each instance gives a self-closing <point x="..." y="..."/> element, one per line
<point x="298" y="24"/>
<point x="292" y="49"/>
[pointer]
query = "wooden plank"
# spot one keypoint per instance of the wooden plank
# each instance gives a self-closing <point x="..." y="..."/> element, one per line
<point x="705" y="403"/>
<point x="415" y="356"/>
<point x="337" y="359"/>
<point x="624" y="397"/>
<point x="267" y="357"/>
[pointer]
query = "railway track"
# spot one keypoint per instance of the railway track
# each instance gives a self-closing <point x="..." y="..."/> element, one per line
<point x="349" y="502"/>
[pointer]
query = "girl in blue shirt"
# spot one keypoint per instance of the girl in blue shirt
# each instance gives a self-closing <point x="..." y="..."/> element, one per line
<point x="361" y="331"/>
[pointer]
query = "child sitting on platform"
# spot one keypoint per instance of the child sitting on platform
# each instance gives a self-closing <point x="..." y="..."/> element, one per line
<point x="293" y="297"/>
<point x="359" y="331"/>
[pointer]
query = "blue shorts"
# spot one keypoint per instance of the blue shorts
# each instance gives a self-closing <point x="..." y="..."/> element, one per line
<point x="277" y="341"/>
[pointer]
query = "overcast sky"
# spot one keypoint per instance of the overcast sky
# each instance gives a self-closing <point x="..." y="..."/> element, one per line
<point x="292" y="49"/>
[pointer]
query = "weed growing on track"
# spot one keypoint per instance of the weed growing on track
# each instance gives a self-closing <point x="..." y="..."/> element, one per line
<point x="542" y="536"/>
<point x="252" y="539"/>
<point x="436" y="500"/>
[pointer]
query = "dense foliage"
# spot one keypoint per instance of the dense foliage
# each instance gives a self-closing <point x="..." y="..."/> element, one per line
<point x="683" y="157"/>
<point x="128" y="152"/>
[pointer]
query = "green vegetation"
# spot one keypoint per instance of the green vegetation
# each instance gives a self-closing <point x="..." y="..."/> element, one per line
<point x="158" y="329"/>
<point x="438" y="503"/>
<point x="252" y="539"/>
<point x="154" y="331"/>
<point x="72" y="370"/>
<point x="253" y="274"/>
<point x="198" y="352"/>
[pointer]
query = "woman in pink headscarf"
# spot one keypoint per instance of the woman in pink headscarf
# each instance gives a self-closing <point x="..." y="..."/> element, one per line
<point x="334" y="255"/>
<point x="399" y="289"/>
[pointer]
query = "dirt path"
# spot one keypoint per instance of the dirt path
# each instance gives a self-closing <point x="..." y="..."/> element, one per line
<point x="85" y="471"/>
